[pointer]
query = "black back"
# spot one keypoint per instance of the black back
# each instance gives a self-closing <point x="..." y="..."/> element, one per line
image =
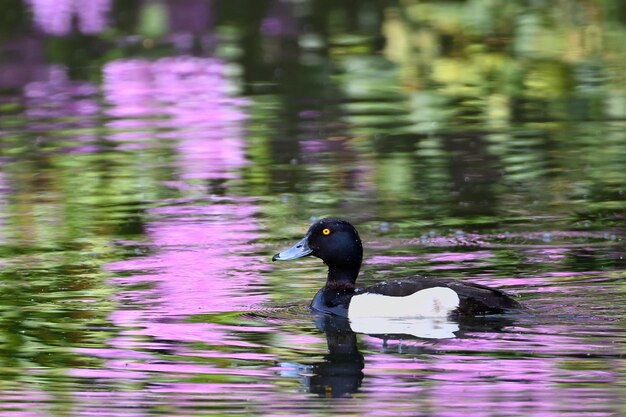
<point x="474" y="298"/>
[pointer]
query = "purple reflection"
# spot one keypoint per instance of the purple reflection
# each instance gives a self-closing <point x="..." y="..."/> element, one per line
<point x="4" y="191"/>
<point x="390" y="260"/>
<point x="92" y="15"/>
<point x="459" y="256"/>
<point x="201" y="263"/>
<point x="57" y="96"/>
<point x="19" y="403"/>
<point x="542" y="375"/>
<point x="190" y="16"/>
<point x="280" y="20"/>
<point x="55" y="16"/>
<point x="26" y="64"/>
<point x="186" y="99"/>
<point x="447" y="260"/>
<point x="456" y="260"/>
<point x="547" y="255"/>
<point x="201" y="266"/>
<point x="56" y="102"/>
<point x="196" y="260"/>
<point x="190" y="89"/>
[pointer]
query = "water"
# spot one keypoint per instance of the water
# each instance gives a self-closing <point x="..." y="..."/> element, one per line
<point x="155" y="156"/>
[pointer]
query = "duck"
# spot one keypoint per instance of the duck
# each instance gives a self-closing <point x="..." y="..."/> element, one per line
<point x="337" y="243"/>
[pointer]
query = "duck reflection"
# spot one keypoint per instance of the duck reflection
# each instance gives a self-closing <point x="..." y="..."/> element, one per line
<point x="340" y="373"/>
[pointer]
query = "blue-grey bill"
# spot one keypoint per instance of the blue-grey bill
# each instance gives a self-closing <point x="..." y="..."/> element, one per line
<point x="298" y="250"/>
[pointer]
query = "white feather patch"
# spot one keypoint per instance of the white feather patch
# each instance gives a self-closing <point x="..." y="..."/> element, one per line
<point x="431" y="302"/>
<point x="424" y="327"/>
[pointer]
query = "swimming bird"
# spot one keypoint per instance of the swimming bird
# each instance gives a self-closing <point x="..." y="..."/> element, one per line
<point x="337" y="243"/>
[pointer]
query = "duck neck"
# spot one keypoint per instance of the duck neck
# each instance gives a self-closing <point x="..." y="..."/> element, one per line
<point x="342" y="277"/>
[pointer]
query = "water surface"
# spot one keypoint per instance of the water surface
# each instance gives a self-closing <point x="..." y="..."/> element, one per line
<point x="155" y="156"/>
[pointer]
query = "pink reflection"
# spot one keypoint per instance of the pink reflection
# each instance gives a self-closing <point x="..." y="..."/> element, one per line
<point x="457" y="260"/>
<point x="55" y="16"/>
<point x="542" y="374"/>
<point x="195" y="92"/>
<point x="188" y="100"/>
<point x="459" y="256"/>
<point x="547" y="255"/>
<point x="390" y="260"/>
<point x="201" y="264"/>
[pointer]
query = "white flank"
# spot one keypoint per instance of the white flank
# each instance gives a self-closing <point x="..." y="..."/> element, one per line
<point x="422" y="314"/>
<point x="424" y="327"/>
<point x="431" y="302"/>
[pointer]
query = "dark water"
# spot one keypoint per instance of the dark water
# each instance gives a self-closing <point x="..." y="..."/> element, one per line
<point x="154" y="155"/>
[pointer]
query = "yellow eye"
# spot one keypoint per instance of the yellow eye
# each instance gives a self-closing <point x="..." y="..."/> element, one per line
<point x="326" y="232"/>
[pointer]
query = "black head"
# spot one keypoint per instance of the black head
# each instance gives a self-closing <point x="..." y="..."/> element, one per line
<point x="334" y="241"/>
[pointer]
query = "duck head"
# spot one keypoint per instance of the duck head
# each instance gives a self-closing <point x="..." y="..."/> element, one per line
<point x="334" y="241"/>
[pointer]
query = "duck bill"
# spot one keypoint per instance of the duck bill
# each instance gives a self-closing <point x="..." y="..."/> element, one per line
<point x="299" y="250"/>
